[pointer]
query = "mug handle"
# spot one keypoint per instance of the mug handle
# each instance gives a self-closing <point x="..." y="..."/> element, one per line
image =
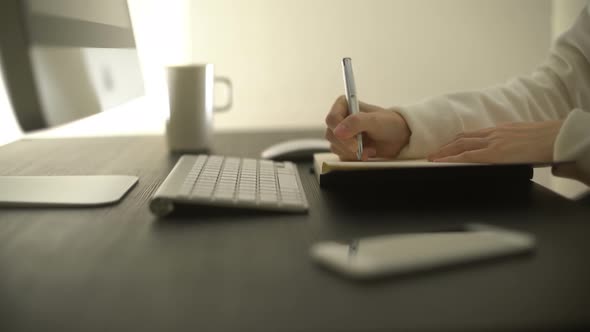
<point x="230" y="98"/>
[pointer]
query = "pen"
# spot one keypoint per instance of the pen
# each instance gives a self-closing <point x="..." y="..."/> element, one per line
<point x="351" y="99"/>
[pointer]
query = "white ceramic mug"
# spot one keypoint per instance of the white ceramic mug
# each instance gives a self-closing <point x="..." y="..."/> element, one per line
<point x="190" y="91"/>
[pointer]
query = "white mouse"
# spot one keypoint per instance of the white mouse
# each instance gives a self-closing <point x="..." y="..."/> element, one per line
<point x="296" y="149"/>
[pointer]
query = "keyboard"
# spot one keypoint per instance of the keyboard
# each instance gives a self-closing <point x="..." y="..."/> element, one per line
<point x="230" y="182"/>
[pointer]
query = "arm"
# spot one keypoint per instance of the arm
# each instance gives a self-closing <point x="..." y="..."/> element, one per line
<point x="551" y="92"/>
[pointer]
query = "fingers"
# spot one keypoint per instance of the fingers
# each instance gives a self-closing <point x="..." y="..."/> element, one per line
<point x="508" y="143"/>
<point x="368" y="108"/>
<point x="476" y="133"/>
<point x="344" y="154"/>
<point x="467" y="147"/>
<point x="346" y="149"/>
<point x="343" y="129"/>
<point x="459" y="146"/>
<point x="354" y="125"/>
<point x="473" y="156"/>
<point x="337" y="113"/>
<point x="347" y="155"/>
<point x="369" y="150"/>
<point x="341" y="147"/>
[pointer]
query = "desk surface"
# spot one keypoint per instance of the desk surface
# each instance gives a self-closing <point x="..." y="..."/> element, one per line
<point x="118" y="267"/>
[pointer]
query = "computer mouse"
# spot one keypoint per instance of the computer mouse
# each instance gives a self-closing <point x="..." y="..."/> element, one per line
<point x="296" y="149"/>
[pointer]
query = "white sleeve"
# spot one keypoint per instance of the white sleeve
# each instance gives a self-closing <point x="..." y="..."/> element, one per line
<point x="554" y="89"/>
<point x="573" y="141"/>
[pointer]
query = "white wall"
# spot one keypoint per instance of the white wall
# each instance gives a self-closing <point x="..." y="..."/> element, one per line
<point x="284" y="55"/>
<point x="563" y="14"/>
<point x="163" y="36"/>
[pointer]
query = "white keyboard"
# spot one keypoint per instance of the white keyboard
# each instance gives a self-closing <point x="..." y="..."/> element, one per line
<point x="230" y="182"/>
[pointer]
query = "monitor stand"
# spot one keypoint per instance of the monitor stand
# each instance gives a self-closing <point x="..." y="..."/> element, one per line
<point x="63" y="191"/>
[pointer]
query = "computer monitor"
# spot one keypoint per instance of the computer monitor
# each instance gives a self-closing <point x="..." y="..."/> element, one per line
<point x="63" y="60"/>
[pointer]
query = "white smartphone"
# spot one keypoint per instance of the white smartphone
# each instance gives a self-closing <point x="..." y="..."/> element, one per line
<point x="395" y="254"/>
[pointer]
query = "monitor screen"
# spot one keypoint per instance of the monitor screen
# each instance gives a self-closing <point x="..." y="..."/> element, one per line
<point x="67" y="59"/>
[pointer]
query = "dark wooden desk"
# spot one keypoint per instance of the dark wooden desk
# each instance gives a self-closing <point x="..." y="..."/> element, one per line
<point x="119" y="268"/>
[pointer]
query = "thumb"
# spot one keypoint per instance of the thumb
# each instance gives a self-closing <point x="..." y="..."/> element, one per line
<point x="352" y="125"/>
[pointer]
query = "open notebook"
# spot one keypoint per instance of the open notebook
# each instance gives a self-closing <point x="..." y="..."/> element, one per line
<point x="330" y="170"/>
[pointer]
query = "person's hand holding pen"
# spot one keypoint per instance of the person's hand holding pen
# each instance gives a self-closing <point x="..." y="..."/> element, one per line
<point x="385" y="132"/>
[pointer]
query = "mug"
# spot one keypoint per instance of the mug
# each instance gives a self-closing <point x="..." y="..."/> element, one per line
<point x="190" y="90"/>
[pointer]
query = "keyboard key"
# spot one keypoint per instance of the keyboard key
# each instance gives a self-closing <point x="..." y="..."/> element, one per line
<point x="223" y="196"/>
<point x="292" y="203"/>
<point x="185" y="191"/>
<point x="247" y="198"/>
<point x="289" y="190"/>
<point x="287" y="181"/>
<point x="201" y="194"/>
<point x="268" y="198"/>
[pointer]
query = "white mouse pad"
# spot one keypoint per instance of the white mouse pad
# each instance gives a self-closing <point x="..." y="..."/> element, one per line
<point x="86" y="190"/>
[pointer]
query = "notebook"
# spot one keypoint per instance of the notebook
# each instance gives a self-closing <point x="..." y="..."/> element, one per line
<point x="330" y="171"/>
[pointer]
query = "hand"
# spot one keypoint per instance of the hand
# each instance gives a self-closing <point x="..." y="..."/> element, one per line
<point x="385" y="132"/>
<point x="509" y="143"/>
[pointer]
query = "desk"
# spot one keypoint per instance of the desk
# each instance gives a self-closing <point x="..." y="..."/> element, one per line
<point x="119" y="268"/>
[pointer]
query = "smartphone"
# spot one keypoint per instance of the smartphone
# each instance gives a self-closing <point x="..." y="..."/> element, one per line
<point x="395" y="254"/>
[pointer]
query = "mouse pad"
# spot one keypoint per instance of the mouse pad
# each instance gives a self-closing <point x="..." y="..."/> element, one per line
<point x="74" y="191"/>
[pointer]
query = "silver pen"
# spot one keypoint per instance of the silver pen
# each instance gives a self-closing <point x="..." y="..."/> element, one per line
<point x="352" y="100"/>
